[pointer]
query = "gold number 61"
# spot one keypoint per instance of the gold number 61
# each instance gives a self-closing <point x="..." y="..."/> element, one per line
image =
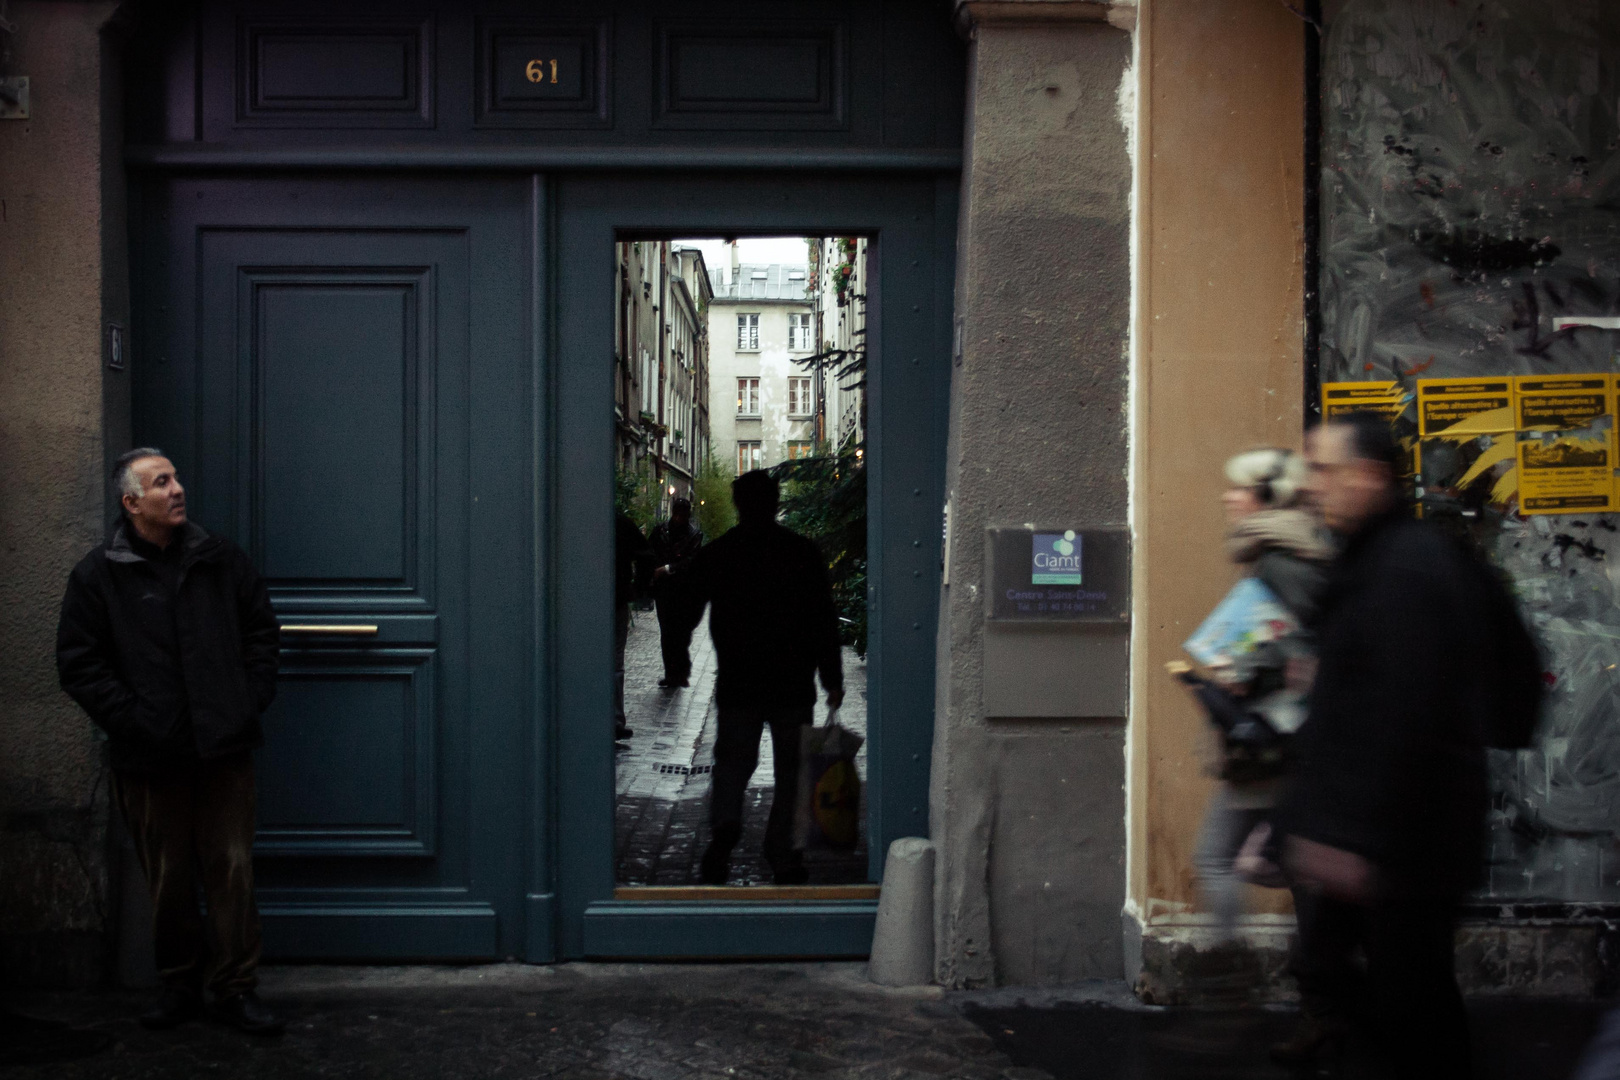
<point x="535" y="72"/>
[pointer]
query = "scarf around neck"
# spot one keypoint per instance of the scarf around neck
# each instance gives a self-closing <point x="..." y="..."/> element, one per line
<point x="1291" y="531"/>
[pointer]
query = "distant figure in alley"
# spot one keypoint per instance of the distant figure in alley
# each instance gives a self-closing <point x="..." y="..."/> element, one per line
<point x="675" y="543"/>
<point x="629" y="556"/>
<point x="774" y="628"/>
<point x="167" y="639"/>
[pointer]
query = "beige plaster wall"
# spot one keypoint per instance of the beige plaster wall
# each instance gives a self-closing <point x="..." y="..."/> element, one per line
<point x="53" y="239"/>
<point x="1219" y="344"/>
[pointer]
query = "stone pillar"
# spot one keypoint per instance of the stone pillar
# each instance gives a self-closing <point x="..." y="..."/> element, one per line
<point x="59" y="249"/>
<point x="1028" y="816"/>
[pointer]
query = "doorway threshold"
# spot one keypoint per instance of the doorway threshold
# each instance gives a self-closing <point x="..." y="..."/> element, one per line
<point x="734" y="893"/>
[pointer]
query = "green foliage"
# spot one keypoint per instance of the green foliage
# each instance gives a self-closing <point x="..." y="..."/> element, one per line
<point x="824" y="498"/>
<point x="635" y="493"/>
<point x="711" y="496"/>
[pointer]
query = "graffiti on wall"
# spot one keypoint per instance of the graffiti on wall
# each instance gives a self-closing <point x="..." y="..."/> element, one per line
<point x="1470" y="206"/>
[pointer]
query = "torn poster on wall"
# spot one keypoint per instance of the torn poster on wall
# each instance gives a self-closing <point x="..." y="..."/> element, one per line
<point x="1470" y="166"/>
<point x="1464" y="406"/>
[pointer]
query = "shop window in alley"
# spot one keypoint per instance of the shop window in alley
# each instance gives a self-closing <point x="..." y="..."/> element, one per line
<point x="798" y="450"/>
<point x="750" y="455"/>
<point x="1467" y="292"/>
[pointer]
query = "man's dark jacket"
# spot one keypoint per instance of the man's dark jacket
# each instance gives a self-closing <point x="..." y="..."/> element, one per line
<point x="672" y="548"/>
<point x="120" y="622"/>
<point x="771" y="615"/>
<point x="1391" y="758"/>
<point x="629" y="559"/>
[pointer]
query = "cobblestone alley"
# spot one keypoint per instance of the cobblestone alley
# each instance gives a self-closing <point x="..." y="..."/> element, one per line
<point x="661" y="825"/>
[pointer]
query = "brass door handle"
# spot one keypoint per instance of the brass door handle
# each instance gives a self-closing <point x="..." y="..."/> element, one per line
<point x="345" y="629"/>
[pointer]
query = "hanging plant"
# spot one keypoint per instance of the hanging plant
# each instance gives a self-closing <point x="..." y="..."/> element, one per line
<point x="843" y="278"/>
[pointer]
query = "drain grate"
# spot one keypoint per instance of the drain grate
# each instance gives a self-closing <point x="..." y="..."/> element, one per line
<point x="684" y="770"/>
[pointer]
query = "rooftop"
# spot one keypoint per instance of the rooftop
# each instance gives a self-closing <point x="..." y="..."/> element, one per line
<point x="761" y="281"/>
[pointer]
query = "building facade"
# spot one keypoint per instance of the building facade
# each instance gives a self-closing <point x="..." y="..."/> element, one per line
<point x="838" y="264"/>
<point x="1110" y="244"/>
<point x="762" y="396"/>
<point x="661" y="366"/>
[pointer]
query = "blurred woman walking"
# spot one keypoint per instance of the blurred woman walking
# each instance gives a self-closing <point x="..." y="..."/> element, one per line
<point x="1256" y="693"/>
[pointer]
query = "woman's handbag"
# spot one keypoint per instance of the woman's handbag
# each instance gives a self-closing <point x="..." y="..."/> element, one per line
<point x="1253" y="749"/>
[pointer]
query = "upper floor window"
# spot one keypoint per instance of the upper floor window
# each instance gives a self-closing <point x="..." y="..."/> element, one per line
<point x="748" y="333"/>
<point x="747" y="397"/>
<point x="799" y="332"/>
<point x="798" y="396"/>
<point x="750" y="455"/>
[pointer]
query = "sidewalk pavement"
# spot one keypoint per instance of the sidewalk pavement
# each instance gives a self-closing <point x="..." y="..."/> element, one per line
<point x="661" y="821"/>
<point x="821" y="1021"/>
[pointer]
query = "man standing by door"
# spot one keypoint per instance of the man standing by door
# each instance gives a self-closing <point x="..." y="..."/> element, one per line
<point x="167" y="639"/>
<point x="774" y="628"/>
<point x="674" y="545"/>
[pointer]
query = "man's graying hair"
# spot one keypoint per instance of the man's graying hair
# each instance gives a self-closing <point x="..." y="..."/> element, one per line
<point x="1371" y="437"/>
<point x="124" y="478"/>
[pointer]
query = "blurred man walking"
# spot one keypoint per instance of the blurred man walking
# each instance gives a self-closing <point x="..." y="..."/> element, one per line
<point x="1385" y="818"/>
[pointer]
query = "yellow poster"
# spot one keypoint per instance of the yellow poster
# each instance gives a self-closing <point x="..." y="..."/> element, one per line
<point x="1566" y="473"/>
<point x="1464" y="406"/>
<point x="1561" y="403"/>
<point x="1387" y="399"/>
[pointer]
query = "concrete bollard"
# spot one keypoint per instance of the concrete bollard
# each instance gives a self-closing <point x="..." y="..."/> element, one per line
<point x="903" y="943"/>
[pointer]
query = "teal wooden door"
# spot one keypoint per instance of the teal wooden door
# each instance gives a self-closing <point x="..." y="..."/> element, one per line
<point x="342" y="370"/>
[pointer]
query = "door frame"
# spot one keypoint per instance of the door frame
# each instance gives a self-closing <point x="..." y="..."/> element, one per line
<point x="911" y="221"/>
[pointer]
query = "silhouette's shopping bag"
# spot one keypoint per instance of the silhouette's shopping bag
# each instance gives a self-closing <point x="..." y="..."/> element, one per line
<point x="828" y="815"/>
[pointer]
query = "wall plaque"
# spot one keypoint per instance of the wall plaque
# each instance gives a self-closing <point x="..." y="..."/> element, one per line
<point x="1058" y="574"/>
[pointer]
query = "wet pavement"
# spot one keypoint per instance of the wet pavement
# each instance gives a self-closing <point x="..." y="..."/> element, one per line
<point x="729" y="1022"/>
<point x="1101" y="1032"/>
<point x="573" y="1022"/>
<point x="661" y="821"/>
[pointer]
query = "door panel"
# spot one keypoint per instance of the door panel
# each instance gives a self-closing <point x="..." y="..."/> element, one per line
<point x="364" y="412"/>
<point x="377" y="707"/>
<point x="327" y="409"/>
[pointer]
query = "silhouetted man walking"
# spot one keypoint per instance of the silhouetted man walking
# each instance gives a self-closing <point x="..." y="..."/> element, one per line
<point x="675" y="543"/>
<point x="169" y="642"/>
<point x="775" y="628"/>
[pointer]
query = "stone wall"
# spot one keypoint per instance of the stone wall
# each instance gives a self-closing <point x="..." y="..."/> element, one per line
<point x="56" y="250"/>
<point x="1028" y="815"/>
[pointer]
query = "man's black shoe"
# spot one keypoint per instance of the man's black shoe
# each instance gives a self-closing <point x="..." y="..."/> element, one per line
<point x="245" y="1012"/>
<point x="789" y="872"/>
<point x="716" y="865"/>
<point x="623" y="731"/>
<point x="175" y="1005"/>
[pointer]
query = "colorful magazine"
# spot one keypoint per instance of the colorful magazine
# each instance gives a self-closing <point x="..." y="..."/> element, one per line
<point x="1249" y="617"/>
